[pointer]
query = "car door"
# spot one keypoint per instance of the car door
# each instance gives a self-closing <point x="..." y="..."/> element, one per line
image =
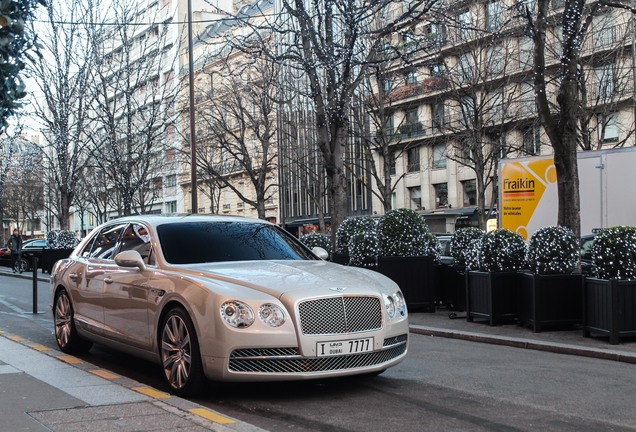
<point x="89" y="273"/>
<point x="127" y="291"/>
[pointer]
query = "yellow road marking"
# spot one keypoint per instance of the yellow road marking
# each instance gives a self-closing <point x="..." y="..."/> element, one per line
<point x="104" y="374"/>
<point x="39" y="347"/>
<point x="212" y="416"/>
<point x="148" y="391"/>
<point x="16" y="338"/>
<point x="69" y="359"/>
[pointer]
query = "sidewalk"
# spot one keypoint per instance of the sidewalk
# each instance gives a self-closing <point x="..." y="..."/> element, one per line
<point x="560" y="340"/>
<point x="42" y="389"/>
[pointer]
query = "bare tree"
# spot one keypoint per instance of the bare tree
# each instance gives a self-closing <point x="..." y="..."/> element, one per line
<point x="332" y="42"/>
<point x="133" y="91"/>
<point x="561" y="119"/>
<point x="381" y="137"/>
<point x="22" y="187"/>
<point x="240" y="124"/>
<point x="63" y="75"/>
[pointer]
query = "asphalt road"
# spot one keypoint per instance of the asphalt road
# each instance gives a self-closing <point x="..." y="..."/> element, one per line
<point x="444" y="385"/>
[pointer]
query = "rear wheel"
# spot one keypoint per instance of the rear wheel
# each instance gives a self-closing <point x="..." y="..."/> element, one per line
<point x="65" y="332"/>
<point x="180" y="354"/>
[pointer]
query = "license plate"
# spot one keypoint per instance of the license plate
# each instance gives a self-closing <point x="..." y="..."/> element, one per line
<point x="343" y="347"/>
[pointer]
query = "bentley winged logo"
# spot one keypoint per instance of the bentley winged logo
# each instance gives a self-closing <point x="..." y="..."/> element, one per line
<point x="338" y="289"/>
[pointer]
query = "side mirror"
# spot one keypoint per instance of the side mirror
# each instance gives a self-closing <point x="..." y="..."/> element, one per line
<point x="130" y="258"/>
<point x="320" y="253"/>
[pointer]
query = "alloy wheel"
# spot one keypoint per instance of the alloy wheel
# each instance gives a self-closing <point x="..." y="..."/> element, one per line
<point x="63" y="320"/>
<point x="176" y="351"/>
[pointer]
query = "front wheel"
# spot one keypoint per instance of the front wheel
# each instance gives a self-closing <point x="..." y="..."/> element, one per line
<point x="180" y="355"/>
<point x="65" y="332"/>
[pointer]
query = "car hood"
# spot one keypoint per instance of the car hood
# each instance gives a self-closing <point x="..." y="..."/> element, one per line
<point x="303" y="278"/>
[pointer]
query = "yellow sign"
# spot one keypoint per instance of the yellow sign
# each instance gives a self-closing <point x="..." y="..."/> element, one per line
<point x="528" y="195"/>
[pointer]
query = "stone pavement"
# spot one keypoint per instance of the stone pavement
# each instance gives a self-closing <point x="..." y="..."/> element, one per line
<point x="42" y="389"/>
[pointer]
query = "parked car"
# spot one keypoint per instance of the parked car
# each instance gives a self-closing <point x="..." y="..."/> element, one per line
<point x="225" y="298"/>
<point x="445" y="242"/>
<point x="587" y="268"/>
<point x="30" y="249"/>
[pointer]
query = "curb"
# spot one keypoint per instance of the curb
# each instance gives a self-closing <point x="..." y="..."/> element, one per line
<point x="526" y="344"/>
<point x="193" y="412"/>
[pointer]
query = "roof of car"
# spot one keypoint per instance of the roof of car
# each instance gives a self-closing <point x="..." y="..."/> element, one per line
<point x="163" y="219"/>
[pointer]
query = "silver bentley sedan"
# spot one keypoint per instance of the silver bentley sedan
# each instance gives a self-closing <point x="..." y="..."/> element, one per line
<point x="225" y="298"/>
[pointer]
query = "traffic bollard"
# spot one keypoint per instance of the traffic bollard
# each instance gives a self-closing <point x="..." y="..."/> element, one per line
<point x="35" y="285"/>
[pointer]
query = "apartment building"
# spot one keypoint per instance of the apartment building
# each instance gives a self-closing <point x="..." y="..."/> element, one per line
<point x="235" y="116"/>
<point x="465" y="99"/>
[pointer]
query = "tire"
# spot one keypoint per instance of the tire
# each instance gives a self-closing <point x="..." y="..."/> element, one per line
<point x="180" y="354"/>
<point x="22" y="265"/>
<point x="65" y="332"/>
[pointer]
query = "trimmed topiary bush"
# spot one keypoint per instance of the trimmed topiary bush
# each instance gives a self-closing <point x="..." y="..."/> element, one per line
<point x="502" y="250"/>
<point x="350" y="227"/>
<point x="614" y="253"/>
<point x="553" y="250"/>
<point x="464" y="247"/>
<point x="61" y="239"/>
<point x="363" y="248"/>
<point x="316" y="240"/>
<point x="403" y="232"/>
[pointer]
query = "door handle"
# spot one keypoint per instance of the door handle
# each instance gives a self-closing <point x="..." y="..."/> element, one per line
<point x="73" y="276"/>
<point x="108" y="280"/>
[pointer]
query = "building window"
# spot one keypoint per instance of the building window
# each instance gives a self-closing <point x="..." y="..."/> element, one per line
<point x="391" y="162"/>
<point x="415" y="197"/>
<point x="438" y="115"/>
<point x="410" y="78"/>
<point x="413" y="159"/>
<point x="493" y="16"/>
<point x="604" y="81"/>
<point x="387" y="84"/>
<point x="465" y="68"/>
<point x="496" y="60"/>
<point x="467" y="113"/>
<point x="526" y="52"/>
<point x="441" y="195"/>
<point x="532" y="141"/>
<point x="608" y="127"/>
<point x="437" y="70"/>
<point x="470" y="192"/>
<point x="439" y="156"/>
<point x="171" y="180"/>
<point x="463" y="26"/>
<point x="171" y="207"/>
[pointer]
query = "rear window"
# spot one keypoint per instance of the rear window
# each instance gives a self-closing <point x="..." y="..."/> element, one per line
<point x="201" y="242"/>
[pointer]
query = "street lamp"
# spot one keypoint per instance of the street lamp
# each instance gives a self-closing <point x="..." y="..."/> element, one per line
<point x="193" y="140"/>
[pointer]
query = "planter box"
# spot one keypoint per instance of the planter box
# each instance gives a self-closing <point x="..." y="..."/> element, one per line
<point x="550" y="300"/>
<point x="452" y="287"/>
<point x="415" y="277"/>
<point x="609" y="308"/>
<point x="492" y="296"/>
<point x="340" y="258"/>
<point x="50" y="256"/>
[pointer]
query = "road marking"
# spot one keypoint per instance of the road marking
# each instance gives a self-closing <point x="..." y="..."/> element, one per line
<point x="69" y="359"/>
<point x="104" y="374"/>
<point x="15" y="338"/>
<point x="39" y="347"/>
<point x="148" y="391"/>
<point x="212" y="416"/>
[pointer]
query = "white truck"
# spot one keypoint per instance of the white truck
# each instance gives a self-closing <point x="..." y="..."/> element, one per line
<point x="607" y="183"/>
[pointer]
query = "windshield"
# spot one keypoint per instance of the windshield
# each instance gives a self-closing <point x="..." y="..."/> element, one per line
<point x="201" y="242"/>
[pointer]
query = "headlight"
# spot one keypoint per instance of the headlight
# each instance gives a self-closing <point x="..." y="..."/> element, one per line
<point x="395" y="305"/>
<point x="271" y="315"/>
<point x="237" y="314"/>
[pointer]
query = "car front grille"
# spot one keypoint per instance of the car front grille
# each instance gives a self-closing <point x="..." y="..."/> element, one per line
<point x="288" y="361"/>
<point x="339" y="315"/>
